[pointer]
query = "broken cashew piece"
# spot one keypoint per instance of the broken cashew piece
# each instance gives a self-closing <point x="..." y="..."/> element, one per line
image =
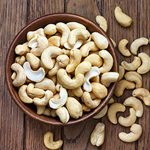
<point x="22" y="49"/>
<point x="75" y="25"/>
<point x="121" y="72"/>
<point x="50" y="29"/>
<point x="101" y="21"/>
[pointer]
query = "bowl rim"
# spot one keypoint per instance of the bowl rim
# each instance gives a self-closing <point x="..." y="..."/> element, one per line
<point x="22" y="105"/>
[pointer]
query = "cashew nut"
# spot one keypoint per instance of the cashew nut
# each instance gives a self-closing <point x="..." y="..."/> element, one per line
<point x="13" y="76"/>
<point x="123" y="19"/>
<point x="22" y="49"/>
<point x="75" y="25"/>
<point x="63" y="60"/>
<point x="40" y="109"/>
<point x="101" y="21"/>
<point x="50" y="29"/>
<point x="54" y="41"/>
<point x="136" y="104"/>
<point x="134" y="135"/>
<point x="121" y="72"/>
<point x="20" y="60"/>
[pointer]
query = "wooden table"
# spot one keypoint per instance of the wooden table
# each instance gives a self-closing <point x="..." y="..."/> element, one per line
<point x="17" y="130"/>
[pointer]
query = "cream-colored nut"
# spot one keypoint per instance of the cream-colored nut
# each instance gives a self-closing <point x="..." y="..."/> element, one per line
<point x="111" y="101"/>
<point x="85" y="108"/>
<point x="107" y="59"/>
<point x="133" y="65"/>
<point x="46" y="84"/>
<point x="33" y="60"/>
<point x="74" y="108"/>
<point x="22" y="49"/>
<point x="75" y="59"/>
<point x="128" y="121"/>
<point x="54" y="41"/>
<point x="86" y="48"/>
<point x="113" y="42"/>
<point x="102" y="113"/>
<point x="145" y="67"/>
<point x="78" y="34"/>
<point x="40" y="109"/>
<point x="94" y="59"/>
<point x="67" y="82"/>
<point x="143" y="94"/>
<point x="122" y="18"/>
<point x="88" y="101"/>
<point x="99" y="90"/>
<point x="100" y="40"/>
<point x="123" y="49"/>
<point x="20" y="60"/>
<point x="136" y="44"/>
<point x="113" y="110"/>
<point x="136" y="104"/>
<point x="23" y="95"/>
<point x="13" y="76"/>
<point x="121" y="72"/>
<point x="63" y="60"/>
<point x="98" y="134"/>
<point x="133" y="76"/>
<point x="75" y="25"/>
<point x="133" y="135"/>
<point x="78" y="92"/>
<point x="102" y="22"/>
<point x="48" y="54"/>
<point x="50" y="29"/>
<point x="35" y="76"/>
<point x="109" y="77"/>
<point x="50" y="143"/>
<point x="43" y="101"/>
<point x="95" y="71"/>
<point x="20" y="78"/>
<point x="77" y="45"/>
<point x="63" y="28"/>
<point x="122" y="85"/>
<point x="54" y="70"/>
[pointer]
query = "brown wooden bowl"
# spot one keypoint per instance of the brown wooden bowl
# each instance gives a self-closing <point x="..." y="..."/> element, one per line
<point x="21" y="37"/>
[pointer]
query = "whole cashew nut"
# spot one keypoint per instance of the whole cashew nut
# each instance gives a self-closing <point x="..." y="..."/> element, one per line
<point x="75" y="25"/>
<point x="50" y="29"/>
<point x="121" y="72"/>
<point x="54" y="41"/>
<point x="102" y="22"/>
<point x="22" y="49"/>
<point x="20" y="60"/>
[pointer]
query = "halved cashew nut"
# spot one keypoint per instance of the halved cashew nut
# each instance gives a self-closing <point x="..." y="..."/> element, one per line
<point x="121" y="86"/>
<point x="123" y="49"/>
<point x="133" y="65"/>
<point x="20" y="60"/>
<point x="100" y="40"/>
<point x="128" y="121"/>
<point x="63" y="60"/>
<point x="50" y="29"/>
<point x="35" y="76"/>
<point x="136" y="104"/>
<point x="145" y="67"/>
<point x="123" y="19"/>
<point x="133" y="135"/>
<point x="75" y="25"/>
<point x="50" y="143"/>
<point x="121" y="72"/>
<point x="98" y="134"/>
<point x="54" y="41"/>
<point x="108" y="61"/>
<point x="109" y="77"/>
<point x="20" y="78"/>
<point x="133" y="76"/>
<point x="102" y="22"/>
<point x="22" y="49"/>
<point x="136" y="44"/>
<point x="113" y="110"/>
<point x="142" y="94"/>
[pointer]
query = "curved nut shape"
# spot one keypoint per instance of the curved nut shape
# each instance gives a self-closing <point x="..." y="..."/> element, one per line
<point x="145" y="67"/>
<point x="136" y="44"/>
<point x="121" y="72"/>
<point x="95" y="71"/>
<point x="123" y="49"/>
<point x="108" y="61"/>
<point x="134" y="135"/>
<point x="100" y="40"/>
<point x="143" y="94"/>
<point x="102" y="113"/>
<point x="113" y="110"/>
<point x="75" y="25"/>
<point x="54" y="41"/>
<point x="63" y="28"/>
<point x="98" y="134"/>
<point x="75" y="59"/>
<point x="133" y="65"/>
<point x="50" y="143"/>
<point x="121" y="86"/>
<point x="128" y="121"/>
<point x="123" y="19"/>
<point x="43" y="101"/>
<point x="133" y="76"/>
<point x="48" y="54"/>
<point x="78" y="34"/>
<point x="63" y="60"/>
<point x="67" y="82"/>
<point x="23" y="95"/>
<point x="86" y="48"/>
<point x="101" y="21"/>
<point x="50" y="29"/>
<point x="109" y="77"/>
<point x="54" y="70"/>
<point x="35" y="76"/>
<point x="20" y="78"/>
<point x="22" y="49"/>
<point x="20" y="60"/>
<point x="136" y="104"/>
<point x="87" y="100"/>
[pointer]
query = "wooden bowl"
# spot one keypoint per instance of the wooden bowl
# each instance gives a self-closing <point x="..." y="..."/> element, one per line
<point x="30" y="109"/>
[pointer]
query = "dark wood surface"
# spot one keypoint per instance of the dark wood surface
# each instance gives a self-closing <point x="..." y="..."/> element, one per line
<point x="18" y="131"/>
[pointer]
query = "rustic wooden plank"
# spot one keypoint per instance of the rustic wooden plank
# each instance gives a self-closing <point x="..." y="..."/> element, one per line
<point x="13" y="18"/>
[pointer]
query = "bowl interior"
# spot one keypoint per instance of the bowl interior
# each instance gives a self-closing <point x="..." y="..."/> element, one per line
<point x="21" y="38"/>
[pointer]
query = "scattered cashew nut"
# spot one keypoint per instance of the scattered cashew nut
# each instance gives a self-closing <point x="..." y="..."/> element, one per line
<point x="102" y="22"/>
